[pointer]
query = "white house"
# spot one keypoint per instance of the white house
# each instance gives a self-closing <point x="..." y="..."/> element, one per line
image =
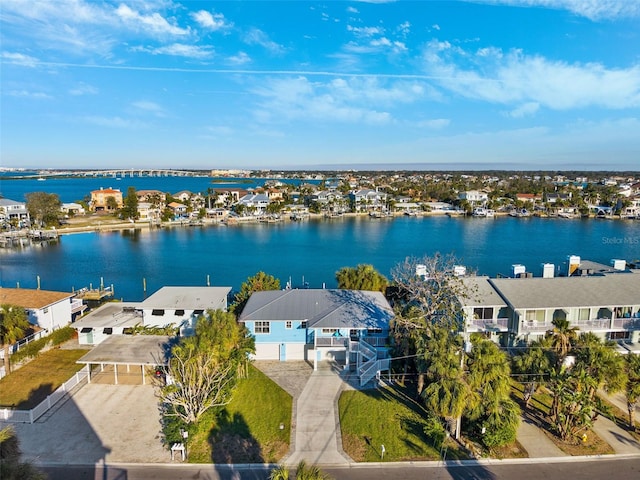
<point x="47" y="309"/>
<point x="474" y="197"/>
<point x="170" y="306"/>
<point x="12" y="210"/>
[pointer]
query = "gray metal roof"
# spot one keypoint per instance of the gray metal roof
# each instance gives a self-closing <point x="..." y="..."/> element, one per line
<point x="130" y="350"/>
<point x="187" y="298"/>
<point x="111" y="314"/>
<point x="320" y="308"/>
<point x="618" y="289"/>
<point x="478" y="292"/>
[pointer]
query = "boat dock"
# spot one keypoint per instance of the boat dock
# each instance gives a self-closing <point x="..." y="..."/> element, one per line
<point x="20" y="238"/>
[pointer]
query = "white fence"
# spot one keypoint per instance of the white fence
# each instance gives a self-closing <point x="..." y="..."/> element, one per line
<point x="24" y="342"/>
<point x="30" y="416"/>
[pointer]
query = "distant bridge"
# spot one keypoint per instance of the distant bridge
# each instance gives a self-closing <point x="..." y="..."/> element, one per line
<point x="121" y="173"/>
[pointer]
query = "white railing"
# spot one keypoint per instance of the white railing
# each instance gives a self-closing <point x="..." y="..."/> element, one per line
<point x="331" y="341"/>
<point x="23" y="342"/>
<point x="627" y="323"/>
<point x="370" y="369"/>
<point x="30" y="416"/>
<point x="376" y="341"/>
<point x="364" y="349"/>
<point x="77" y="306"/>
<point x="499" y="323"/>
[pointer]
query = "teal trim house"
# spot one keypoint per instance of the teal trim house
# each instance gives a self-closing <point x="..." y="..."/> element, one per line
<point x="315" y="325"/>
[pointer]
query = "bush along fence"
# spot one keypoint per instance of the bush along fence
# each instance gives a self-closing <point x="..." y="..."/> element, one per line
<point x="30" y="416"/>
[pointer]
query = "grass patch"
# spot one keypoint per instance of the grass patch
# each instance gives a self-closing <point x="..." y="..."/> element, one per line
<point x="248" y="429"/>
<point x="387" y="416"/>
<point x="29" y="385"/>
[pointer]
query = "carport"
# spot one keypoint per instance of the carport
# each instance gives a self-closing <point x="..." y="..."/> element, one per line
<point x="138" y="351"/>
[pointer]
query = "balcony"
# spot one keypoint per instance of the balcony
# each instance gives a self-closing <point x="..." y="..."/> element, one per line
<point x="626" y="323"/>
<point x="493" y="324"/>
<point x="77" y="306"/>
<point x="331" y="341"/>
<point x="595" y="324"/>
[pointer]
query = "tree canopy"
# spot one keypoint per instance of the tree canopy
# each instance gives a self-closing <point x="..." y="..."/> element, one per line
<point x="257" y="283"/>
<point x="130" y="204"/>
<point x="206" y="366"/>
<point x="43" y="208"/>
<point x="14" y="322"/>
<point x="362" y="277"/>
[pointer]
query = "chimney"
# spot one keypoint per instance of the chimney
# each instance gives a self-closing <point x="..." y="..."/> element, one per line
<point x="574" y="263"/>
<point x="548" y="270"/>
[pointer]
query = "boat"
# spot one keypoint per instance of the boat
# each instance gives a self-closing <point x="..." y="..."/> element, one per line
<point x="521" y="213"/>
<point x="483" y="212"/>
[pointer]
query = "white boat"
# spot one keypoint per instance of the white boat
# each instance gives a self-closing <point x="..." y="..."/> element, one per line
<point x="483" y="212"/>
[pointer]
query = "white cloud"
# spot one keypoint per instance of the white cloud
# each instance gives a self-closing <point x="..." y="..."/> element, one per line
<point x="83" y="89"/>
<point x="404" y="29"/>
<point x="357" y="100"/>
<point x="256" y="36"/>
<point x="153" y="22"/>
<point x="435" y="124"/>
<point x="516" y="78"/>
<point x="211" y="21"/>
<point x="524" y="110"/>
<point x="352" y="10"/>
<point x="179" y="50"/>
<point x="591" y="9"/>
<point x="146" y="106"/>
<point x="19" y="59"/>
<point x="29" y="94"/>
<point x="241" y="58"/>
<point x="365" y="31"/>
<point x="435" y="26"/>
<point x="114" y="122"/>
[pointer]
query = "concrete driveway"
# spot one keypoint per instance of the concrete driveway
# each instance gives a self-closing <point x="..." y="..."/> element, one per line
<point x="99" y="423"/>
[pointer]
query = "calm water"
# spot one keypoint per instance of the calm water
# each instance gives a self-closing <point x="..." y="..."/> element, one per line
<point x="310" y="251"/>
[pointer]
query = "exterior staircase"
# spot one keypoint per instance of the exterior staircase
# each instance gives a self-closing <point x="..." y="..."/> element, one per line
<point x="369" y="365"/>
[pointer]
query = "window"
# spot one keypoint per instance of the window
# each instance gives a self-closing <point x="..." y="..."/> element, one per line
<point x="374" y="331"/>
<point x="583" y="314"/>
<point x="288" y="324"/>
<point x="45" y="310"/>
<point x="198" y="312"/>
<point x="86" y="330"/>
<point x="534" y="316"/>
<point x="483" y="313"/>
<point x="303" y="324"/>
<point x="157" y="313"/>
<point x="179" y="313"/>
<point x="107" y="331"/>
<point x="262" y="327"/>
<point x="329" y="331"/>
<point x="620" y="335"/>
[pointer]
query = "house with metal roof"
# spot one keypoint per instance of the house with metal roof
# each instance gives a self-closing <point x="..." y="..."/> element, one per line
<point x="349" y="326"/>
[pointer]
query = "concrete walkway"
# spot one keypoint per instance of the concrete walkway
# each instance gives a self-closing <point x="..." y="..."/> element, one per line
<point x="317" y="432"/>
<point x="620" y="440"/>
<point x="535" y="441"/>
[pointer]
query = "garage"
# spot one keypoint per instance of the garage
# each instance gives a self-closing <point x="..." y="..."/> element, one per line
<point x="267" y="351"/>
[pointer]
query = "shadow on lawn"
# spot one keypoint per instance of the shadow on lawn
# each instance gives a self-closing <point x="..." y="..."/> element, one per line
<point x="231" y="441"/>
<point x="36" y="396"/>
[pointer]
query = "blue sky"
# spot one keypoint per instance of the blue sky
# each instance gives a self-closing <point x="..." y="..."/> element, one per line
<point x="513" y="84"/>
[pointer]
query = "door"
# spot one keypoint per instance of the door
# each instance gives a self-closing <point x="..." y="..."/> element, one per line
<point x="283" y="352"/>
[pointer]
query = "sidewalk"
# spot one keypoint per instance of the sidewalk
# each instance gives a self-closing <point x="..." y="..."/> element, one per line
<point x="534" y="440"/>
<point x="620" y="440"/>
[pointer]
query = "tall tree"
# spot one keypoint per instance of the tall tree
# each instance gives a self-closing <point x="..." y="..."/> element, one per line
<point x="632" y="390"/>
<point x="257" y="283"/>
<point x="43" y="208"/>
<point x="563" y="336"/>
<point x="362" y="277"/>
<point x="205" y="367"/>
<point x="14" y="323"/>
<point x="130" y="204"/>
<point x="601" y="362"/>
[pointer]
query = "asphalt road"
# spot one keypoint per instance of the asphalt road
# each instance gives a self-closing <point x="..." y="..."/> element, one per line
<point x="593" y="469"/>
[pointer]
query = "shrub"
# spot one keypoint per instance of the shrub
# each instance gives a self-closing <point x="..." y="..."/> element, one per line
<point x="32" y="349"/>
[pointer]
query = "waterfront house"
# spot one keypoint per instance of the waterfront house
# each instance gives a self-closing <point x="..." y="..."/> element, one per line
<point x="256" y="203"/>
<point x="178" y="307"/>
<point x="594" y="298"/>
<point x="100" y="200"/>
<point x="71" y="209"/>
<point x="367" y="200"/>
<point x="47" y="309"/>
<point x="13" y="211"/>
<point x="179" y="210"/>
<point x="474" y="197"/>
<point x="348" y="326"/>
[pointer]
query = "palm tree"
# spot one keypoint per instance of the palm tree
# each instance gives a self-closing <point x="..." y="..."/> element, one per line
<point x="532" y="368"/>
<point x="632" y="368"/>
<point x="13" y="325"/>
<point x="601" y="362"/>
<point x="562" y="336"/>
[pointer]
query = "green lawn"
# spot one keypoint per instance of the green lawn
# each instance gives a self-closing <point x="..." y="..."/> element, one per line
<point x="248" y="429"/>
<point x="29" y="385"/>
<point x="372" y="418"/>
